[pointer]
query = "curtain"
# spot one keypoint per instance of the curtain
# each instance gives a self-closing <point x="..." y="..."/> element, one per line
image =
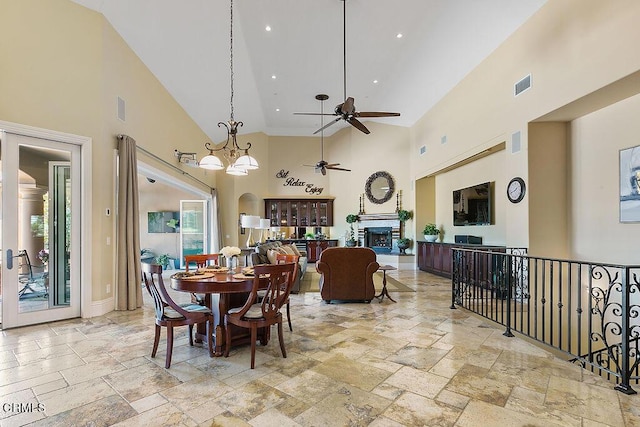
<point x="217" y="226"/>
<point x="129" y="278"/>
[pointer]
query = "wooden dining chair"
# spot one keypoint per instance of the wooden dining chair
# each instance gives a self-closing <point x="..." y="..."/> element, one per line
<point x="199" y="261"/>
<point x="277" y="280"/>
<point x="284" y="258"/>
<point x="170" y="314"/>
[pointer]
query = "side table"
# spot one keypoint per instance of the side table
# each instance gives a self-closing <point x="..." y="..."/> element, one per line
<point x="384" y="290"/>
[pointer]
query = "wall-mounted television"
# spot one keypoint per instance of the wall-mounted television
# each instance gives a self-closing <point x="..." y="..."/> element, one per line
<point x="472" y="205"/>
<point x="163" y="222"/>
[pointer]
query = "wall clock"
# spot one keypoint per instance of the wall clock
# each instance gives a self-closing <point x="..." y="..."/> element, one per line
<point x="516" y="190"/>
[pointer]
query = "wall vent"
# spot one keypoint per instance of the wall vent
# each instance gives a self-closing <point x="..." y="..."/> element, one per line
<point x="423" y="149"/>
<point x="121" y="109"/>
<point x="515" y="142"/>
<point x="522" y="85"/>
<point x="443" y="139"/>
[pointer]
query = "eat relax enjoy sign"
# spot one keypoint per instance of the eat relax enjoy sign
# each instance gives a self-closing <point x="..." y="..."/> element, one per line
<point x="295" y="182"/>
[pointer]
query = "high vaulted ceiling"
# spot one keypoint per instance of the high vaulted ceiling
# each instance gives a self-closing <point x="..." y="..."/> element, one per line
<point x="186" y="45"/>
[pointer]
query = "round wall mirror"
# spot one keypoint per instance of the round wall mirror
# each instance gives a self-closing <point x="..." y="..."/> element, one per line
<point x="379" y="187"/>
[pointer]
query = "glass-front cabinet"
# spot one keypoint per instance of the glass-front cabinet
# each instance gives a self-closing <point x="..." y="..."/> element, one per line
<point x="193" y="228"/>
<point x="299" y="212"/>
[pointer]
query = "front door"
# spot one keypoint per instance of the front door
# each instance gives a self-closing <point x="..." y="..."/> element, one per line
<point x="40" y="230"/>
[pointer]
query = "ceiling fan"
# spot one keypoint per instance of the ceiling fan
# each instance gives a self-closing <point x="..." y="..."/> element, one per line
<point x="322" y="165"/>
<point x="347" y="110"/>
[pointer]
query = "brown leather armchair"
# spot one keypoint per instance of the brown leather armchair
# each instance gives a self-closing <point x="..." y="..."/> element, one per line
<point x="347" y="274"/>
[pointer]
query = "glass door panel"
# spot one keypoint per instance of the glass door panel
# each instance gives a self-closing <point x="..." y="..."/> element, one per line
<point x="193" y="228"/>
<point x="40" y="230"/>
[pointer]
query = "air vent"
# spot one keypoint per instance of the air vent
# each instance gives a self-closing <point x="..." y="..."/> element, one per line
<point x="515" y="142"/>
<point x="443" y="139"/>
<point x="121" y="109"/>
<point x="522" y="85"/>
<point x="423" y="149"/>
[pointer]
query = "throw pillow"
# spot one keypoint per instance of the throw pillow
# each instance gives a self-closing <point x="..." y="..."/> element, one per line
<point x="295" y="250"/>
<point x="271" y="255"/>
<point x="287" y="250"/>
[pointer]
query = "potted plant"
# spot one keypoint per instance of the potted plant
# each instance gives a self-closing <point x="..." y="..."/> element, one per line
<point x="403" y="244"/>
<point x="351" y="238"/>
<point x="430" y="232"/>
<point x="404" y="215"/>
<point x="163" y="260"/>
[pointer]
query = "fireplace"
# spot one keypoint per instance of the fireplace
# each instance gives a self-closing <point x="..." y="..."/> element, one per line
<point x="379" y="239"/>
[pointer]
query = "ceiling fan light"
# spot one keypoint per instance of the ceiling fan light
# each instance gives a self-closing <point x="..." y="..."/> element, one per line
<point x="246" y="162"/>
<point x="211" y="162"/>
<point x="237" y="171"/>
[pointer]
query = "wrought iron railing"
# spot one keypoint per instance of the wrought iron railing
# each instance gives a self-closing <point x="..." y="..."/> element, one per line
<point x="588" y="311"/>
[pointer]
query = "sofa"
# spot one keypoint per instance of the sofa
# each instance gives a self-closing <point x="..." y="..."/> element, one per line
<point x="265" y="254"/>
<point x="347" y="274"/>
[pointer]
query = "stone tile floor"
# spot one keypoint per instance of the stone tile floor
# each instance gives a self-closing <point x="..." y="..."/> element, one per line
<point x="414" y="363"/>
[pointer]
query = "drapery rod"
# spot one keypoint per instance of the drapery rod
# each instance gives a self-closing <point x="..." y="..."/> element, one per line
<point x="174" y="167"/>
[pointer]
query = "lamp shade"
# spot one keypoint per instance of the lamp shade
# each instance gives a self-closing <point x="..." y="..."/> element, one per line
<point x="211" y="162"/>
<point x="246" y="162"/>
<point x="250" y="221"/>
<point x="265" y="223"/>
<point x="235" y="170"/>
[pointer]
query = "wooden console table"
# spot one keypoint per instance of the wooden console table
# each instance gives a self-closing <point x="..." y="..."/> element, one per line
<point x="436" y="258"/>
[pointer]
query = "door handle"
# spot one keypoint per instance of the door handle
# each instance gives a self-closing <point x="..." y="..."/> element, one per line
<point x="9" y="259"/>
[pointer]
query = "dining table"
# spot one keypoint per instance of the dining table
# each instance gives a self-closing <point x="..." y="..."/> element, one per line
<point x="223" y="289"/>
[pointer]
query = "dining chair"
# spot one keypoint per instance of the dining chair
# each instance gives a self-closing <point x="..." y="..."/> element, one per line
<point x="276" y="280"/>
<point x="284" y="258"/>
<point x="170" y="314"/>
<point x="200" y="261"/>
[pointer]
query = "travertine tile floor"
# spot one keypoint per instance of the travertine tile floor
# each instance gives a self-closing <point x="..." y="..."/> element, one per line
<point x="414" y="363"/>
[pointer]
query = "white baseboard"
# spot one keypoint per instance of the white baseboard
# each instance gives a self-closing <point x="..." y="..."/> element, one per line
<point x="99" y="308"/>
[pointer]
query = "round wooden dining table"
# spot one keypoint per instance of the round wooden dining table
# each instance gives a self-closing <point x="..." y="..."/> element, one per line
<point x="223" y="291"/>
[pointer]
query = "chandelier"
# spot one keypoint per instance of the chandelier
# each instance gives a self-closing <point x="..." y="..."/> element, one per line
<point x="238" y="159"/>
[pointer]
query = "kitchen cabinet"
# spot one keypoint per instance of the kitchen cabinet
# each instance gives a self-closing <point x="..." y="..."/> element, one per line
<point x="299" y="212"/>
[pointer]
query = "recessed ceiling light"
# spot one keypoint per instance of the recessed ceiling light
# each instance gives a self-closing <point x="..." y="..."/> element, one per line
<point x="267" y="28"/>
<point x="273" y="76"/>
<point x="399" y="35"/>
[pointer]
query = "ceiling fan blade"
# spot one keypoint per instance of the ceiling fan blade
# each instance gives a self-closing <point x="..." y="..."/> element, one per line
<point x="338" y="169"/>
<point x="327" y="125"/>
<point x="375" y="114"/>
<point x="356" y="124"/>
<point x="347" y="106"/>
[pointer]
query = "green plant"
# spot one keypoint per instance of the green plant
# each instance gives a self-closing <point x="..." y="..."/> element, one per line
<point x="351" y="218"/>
<point x="163" y="260"/>
<point x="404" y="216"/>
<point x="430" y="230"/>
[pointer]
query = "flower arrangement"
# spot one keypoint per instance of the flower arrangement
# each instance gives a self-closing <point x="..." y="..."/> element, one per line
<point x="43" y="255"/>
<point x="230" y="251"/>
